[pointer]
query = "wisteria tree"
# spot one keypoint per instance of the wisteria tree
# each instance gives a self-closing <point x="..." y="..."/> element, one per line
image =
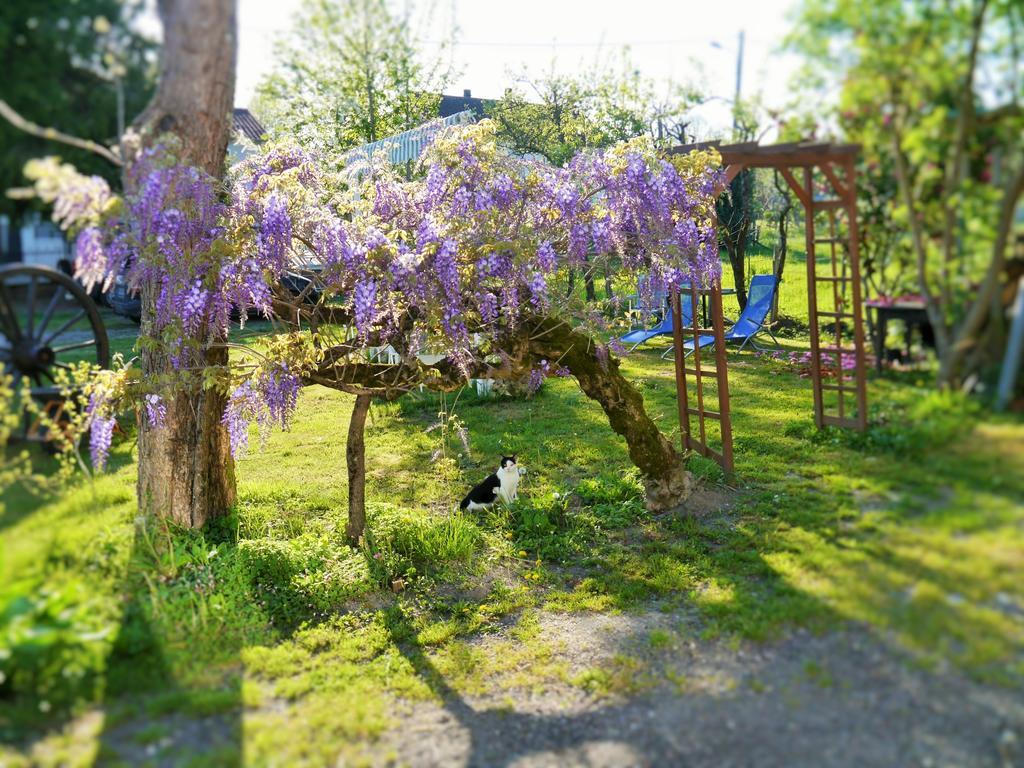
<point x="451" y="272"/>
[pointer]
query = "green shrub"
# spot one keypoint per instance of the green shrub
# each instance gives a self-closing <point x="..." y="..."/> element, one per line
<point x="53" y="644"/>
<point x="912" y="428"/>
<point x="404" y="543"/>
<point x="302" y="578"/>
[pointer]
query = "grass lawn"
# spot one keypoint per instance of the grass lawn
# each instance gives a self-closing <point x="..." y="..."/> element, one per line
<point x="256" y="635"/>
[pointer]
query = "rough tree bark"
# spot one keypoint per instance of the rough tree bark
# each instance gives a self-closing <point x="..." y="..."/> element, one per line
<point x="667" y="482"/>
<point x="185" y="469"/>
<point x="355" y="458"/>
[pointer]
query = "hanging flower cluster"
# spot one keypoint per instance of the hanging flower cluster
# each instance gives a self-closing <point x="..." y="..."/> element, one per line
<point x="463" y="253"/>
<point x="268" y="397"/>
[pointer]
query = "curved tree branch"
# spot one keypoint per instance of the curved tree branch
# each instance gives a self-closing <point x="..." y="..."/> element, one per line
<point x="19" y="122"/>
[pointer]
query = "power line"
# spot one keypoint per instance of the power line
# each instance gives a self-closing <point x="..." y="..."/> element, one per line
<point x="579" y="44"/>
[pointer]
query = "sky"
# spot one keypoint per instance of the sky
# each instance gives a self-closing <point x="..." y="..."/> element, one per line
<point x="682" y="40"/>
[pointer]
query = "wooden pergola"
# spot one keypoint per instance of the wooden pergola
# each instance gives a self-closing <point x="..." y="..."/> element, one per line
<point x="823" y="178"/>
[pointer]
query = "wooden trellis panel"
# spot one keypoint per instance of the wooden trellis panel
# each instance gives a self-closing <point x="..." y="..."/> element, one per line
<point x="842" y="401"/>
<point x="701" y="367"/>
<point x="834" y="297"/>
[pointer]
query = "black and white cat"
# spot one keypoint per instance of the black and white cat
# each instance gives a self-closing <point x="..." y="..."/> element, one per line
<point x="503" y="484"/>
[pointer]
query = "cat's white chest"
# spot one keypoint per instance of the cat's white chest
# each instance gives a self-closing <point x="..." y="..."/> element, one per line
<point x="508" y="490"/>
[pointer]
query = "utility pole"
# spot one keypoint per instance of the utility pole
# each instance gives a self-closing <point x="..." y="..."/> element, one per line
<point x="120" y="110"/>
<point x="739" y="86"/>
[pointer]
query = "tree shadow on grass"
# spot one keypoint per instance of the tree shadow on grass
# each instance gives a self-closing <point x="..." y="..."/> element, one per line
<point x="499" y="737"/>
<point x="151" y="716"/>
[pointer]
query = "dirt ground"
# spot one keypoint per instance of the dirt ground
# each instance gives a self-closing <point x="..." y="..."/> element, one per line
<point x="842" y="699"/>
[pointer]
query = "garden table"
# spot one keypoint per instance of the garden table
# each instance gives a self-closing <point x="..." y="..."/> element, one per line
<point x="704" y="293"/>
<point x="912" y="313"/>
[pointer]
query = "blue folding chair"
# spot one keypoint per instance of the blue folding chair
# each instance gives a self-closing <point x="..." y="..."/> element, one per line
<point x="751" y="321"/>
<point x="664" y="328"/>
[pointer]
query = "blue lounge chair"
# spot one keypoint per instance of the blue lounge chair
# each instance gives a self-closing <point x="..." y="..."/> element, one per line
<point x="664" y="328"/>
<point x="752" y="320"/>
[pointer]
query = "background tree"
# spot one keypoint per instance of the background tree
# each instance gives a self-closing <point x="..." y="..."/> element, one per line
<point x="737" y="216"/>
<point x="63" y="64"/>
<point x="776" y="200"/>
<point x="351" y="72"/>
<point x="934" y="89"/>
<point x="739" y="209"/>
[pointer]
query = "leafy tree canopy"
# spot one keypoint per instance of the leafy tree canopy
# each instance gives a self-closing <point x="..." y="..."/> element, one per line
<point x="932" y="91"/>
<point x="60" y="64"/>
<point x="555" y="116"/>
<point x="350" y="72"/>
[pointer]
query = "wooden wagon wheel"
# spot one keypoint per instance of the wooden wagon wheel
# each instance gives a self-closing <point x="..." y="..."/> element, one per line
<point x="47" y="321"/>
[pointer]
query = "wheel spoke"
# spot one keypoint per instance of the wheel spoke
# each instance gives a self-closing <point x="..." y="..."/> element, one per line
<point x="8" y="315"/>
<point x="75" y="345"/>
<point x="30" y="304"/>
<point x="74" y="319"/>
<point x="50" y="308"/>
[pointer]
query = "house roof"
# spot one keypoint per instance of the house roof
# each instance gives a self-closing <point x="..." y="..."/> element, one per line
<point x="247" y="125"/>
<point x="408" y="145"/>
<point x="452" y="105"/>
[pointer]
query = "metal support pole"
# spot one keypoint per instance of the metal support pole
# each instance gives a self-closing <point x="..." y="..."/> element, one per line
<point x="681" y="395"/>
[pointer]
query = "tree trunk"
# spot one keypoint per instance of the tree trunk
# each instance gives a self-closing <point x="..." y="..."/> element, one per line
<point x="735" y="212"/>
<point x="185" y="468"/>
<point x="935" y="311"/>
<point x="986" y="302"/>
<point x="608" y="290"/>
<point x="779" y="261"/>
<point x="737" y="256"/>
<point x="667" y="482"/>
<point x="355" y="457"/>
<point x="588" y="281"/>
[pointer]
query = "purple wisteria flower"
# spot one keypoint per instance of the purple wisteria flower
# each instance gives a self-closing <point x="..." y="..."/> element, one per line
<point x="156" y="411"/>
<point x="536" y="378"/>
<point x="237" y="417"/>
<point x="268" y="398"/>
<point x="275" y="233"/>
<point x="91" y="259"/>
<point x="365" y="306"/>
<point x="539" y="291"/>
<point x="101" y="434"/>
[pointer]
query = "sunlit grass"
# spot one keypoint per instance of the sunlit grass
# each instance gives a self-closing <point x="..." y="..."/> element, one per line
<point x="922" y="540"/>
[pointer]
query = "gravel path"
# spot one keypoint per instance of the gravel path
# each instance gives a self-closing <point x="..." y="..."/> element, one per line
<point x="842" y="699"/>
